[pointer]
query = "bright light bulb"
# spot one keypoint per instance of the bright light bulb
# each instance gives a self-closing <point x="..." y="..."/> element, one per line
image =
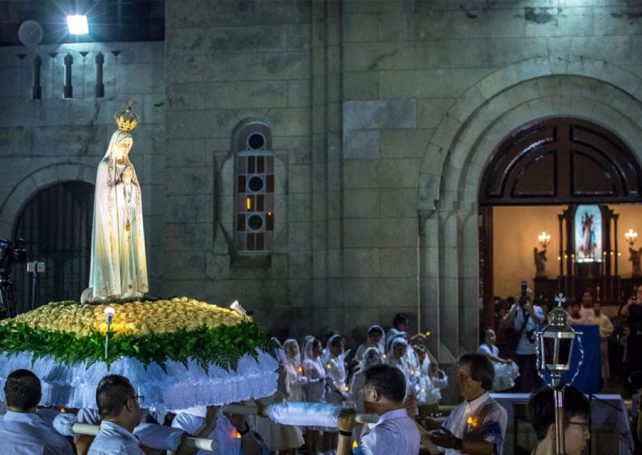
<point x="109" y="314"/>
<point x="77" y="24"/>
<point x="236" y="306"/>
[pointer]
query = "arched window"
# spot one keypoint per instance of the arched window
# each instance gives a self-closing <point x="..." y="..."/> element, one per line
<point x="254" y="192"/>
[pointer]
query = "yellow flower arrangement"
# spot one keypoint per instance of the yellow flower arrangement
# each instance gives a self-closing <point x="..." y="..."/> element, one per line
<point x="134" y="318"/>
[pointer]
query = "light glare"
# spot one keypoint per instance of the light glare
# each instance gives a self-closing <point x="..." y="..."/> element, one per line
<point x="78" y="25"/>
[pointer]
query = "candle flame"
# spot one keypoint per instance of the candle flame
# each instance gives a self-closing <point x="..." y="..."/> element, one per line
<point x="473" y="421"/>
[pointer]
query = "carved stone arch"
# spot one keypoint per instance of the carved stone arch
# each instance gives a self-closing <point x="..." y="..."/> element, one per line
<point x="459" y="126"/>
<point x="21" y="193"/>
<point x="457" y="155"/>
<point x="561" y="160"/>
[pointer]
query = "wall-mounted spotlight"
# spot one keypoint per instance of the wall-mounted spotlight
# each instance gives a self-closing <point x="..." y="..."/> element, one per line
<point x="78" y="24"/>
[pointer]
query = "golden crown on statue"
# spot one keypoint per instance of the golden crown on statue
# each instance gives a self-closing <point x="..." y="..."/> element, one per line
<point x="126" y="120"/>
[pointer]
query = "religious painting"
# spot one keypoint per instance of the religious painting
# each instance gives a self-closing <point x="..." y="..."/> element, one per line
<point x="588" y="233"/>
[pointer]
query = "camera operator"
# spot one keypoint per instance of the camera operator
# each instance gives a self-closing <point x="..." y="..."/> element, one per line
<point x="525" y="319"/>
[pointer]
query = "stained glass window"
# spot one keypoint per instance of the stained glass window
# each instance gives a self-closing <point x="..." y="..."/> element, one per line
<point x="254" y="195"/>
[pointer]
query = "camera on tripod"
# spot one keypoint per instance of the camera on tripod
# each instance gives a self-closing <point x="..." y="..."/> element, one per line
<point x="11" y="253"/>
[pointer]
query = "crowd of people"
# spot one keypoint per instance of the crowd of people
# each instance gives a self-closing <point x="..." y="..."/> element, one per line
<point x="392" y="375"/>
<point x="517" y="321"/>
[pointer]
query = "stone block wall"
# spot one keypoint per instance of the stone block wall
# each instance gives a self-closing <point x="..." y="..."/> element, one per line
<point x="228" y="62"/>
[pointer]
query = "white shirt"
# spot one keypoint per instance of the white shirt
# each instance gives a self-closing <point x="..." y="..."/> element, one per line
<point x="112" y="439"/>
<point x="482" y="419"/>
<point x="225" y="434"/>
<point x="587" y="317"/>
<point x="24" y="433"/>
<point x="394" y="434"/>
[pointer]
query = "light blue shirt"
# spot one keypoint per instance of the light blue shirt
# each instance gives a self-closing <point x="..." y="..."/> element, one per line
<point x="24" y="433"/>
<point x="525" y="346"/>
<point x="394" y="434"/>
<point x="112" y="439"/>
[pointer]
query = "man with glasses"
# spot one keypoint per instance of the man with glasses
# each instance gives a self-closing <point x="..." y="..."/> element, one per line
<point x="478" y="425"/>
<point x="119" y="409"/>
<point x="541" y="413"/>
<point x="120" y="412"/>
<point x="395" y="433"/>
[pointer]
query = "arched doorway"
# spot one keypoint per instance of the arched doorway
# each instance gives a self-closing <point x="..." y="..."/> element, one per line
<point x="557" y="162"/>
<point x="56" y="227"/>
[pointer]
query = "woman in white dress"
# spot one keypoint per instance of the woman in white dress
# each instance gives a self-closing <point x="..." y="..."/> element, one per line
<point x="283" y="438"/>
<point x="397" y="357"/>
<point x="431" y="380"/>
<point x="506" y="371"/>
<point x="336" y="387"/>
<point x="314" y="388"/>
<point x="118" y="270"/>
<point x="371" y="357"/>
<point x="376" y="337"/>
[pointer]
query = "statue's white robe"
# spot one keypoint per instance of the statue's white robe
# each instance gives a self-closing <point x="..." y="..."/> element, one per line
<point x="118" y="268"/>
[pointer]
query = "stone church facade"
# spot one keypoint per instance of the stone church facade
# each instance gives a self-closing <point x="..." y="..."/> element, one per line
<point x="378" y="118"/>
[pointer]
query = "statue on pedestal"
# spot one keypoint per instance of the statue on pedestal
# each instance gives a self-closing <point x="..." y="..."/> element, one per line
<point x="118" y="270"/>
<point x="540" y="262"/>
<point x="635" y="261"/>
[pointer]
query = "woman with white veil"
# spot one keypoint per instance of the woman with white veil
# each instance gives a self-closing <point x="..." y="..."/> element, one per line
<point x="371" y="357"/>
<point x="314" y="371"/>
<point x="376" y="339"/>
<point x="397" y="358"/>
<point x="118" y="270"/>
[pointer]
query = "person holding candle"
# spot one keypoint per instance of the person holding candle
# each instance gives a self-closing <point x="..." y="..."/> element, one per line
<point x="478" y="425"/>
<point x="315" y="373"/>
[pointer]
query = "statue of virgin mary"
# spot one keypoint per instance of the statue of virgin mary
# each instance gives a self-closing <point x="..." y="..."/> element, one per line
<point x="118" y="270"/>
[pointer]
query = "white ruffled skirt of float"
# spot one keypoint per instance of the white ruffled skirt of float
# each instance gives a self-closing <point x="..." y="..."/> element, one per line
<point x="505" y="375"/>
<point x="178" y="386"/>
